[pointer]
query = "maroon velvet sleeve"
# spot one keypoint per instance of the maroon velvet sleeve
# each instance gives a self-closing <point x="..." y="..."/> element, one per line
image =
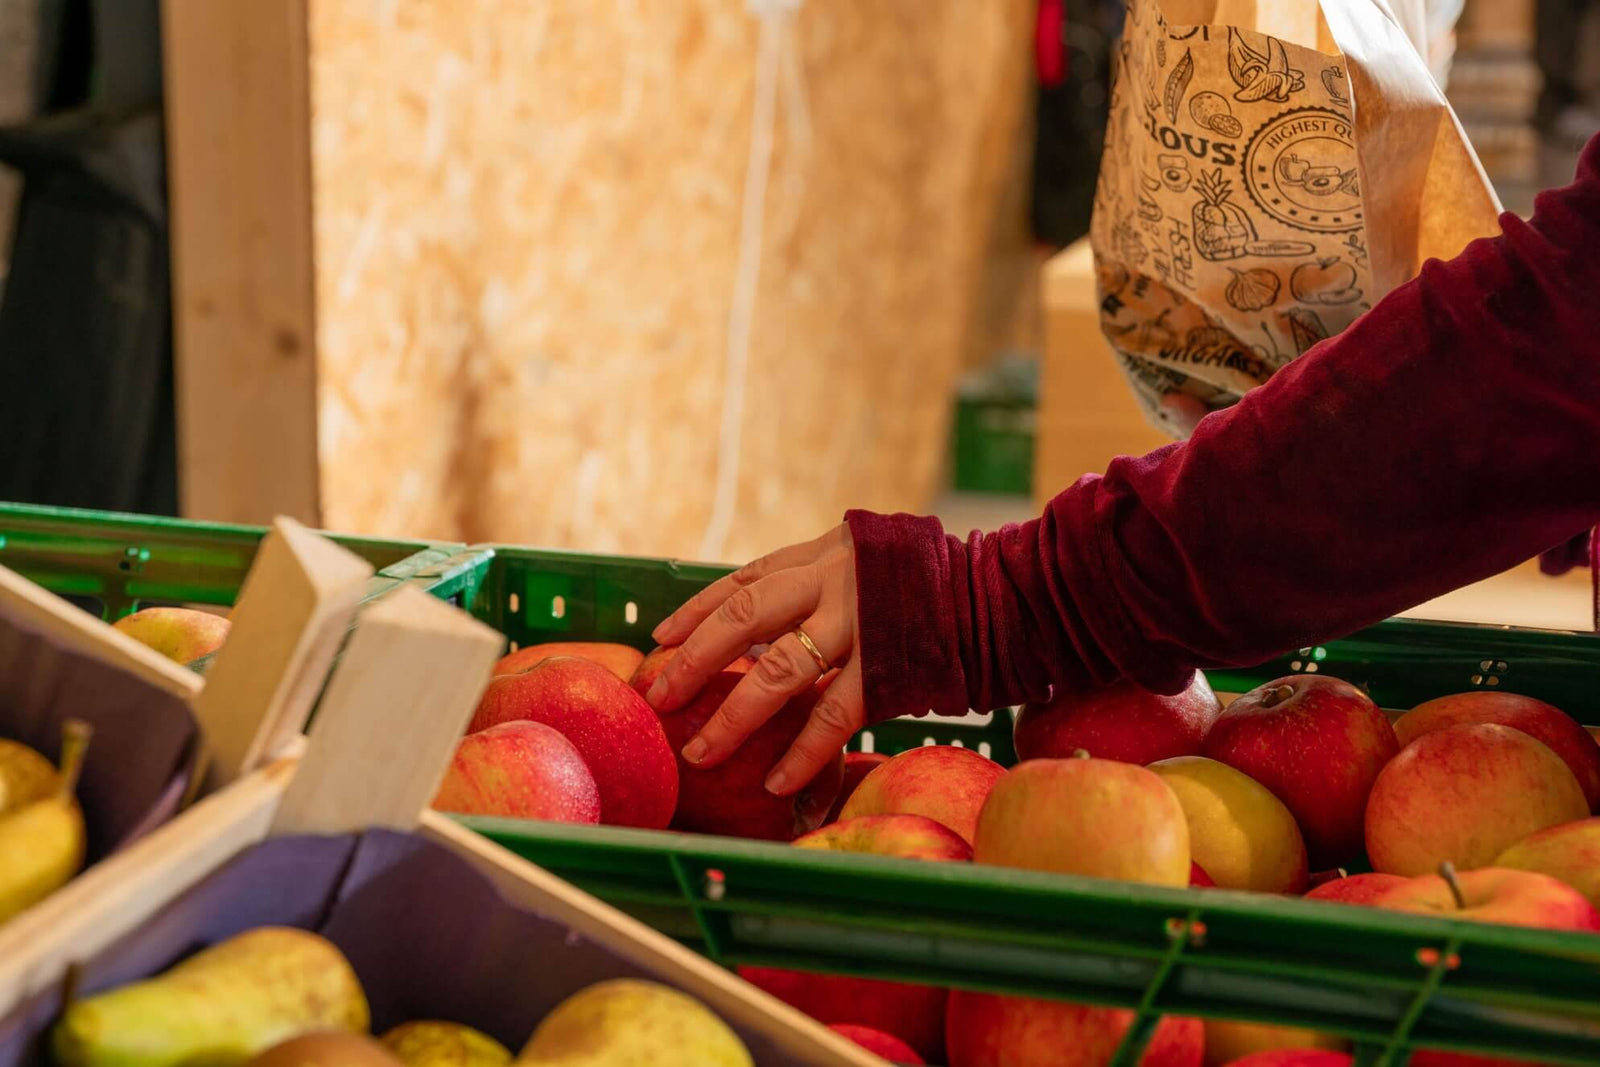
<point x="1450" y="433"/>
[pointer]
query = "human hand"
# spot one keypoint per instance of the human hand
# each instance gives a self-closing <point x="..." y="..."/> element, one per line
<point x="809" y="587"/>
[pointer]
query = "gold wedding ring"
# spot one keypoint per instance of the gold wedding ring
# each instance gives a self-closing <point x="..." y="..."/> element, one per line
<point x="811" y="647"/>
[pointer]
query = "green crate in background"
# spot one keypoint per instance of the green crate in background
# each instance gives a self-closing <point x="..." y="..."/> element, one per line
<point x="1388" y="981"/>
<point x="996" y="420"/>
<point x="112" y="564"/>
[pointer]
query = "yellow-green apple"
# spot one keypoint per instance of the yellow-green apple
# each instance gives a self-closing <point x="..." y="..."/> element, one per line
<point x="1119" y="721"/>
<point x="620" y="660"/>
<point x="1238" y="831"/>
<point x="618" y="735"/>
<point x="914" y="837"/>
<point x="1318" y="744"/>
<point x="943" y="782"/>
<point x="180" y="634"/>
<point x="913" y="1013"/>
<point x="522" y="770"/>
<point x="1198" y="876"/>
<point x="1228" y="1041"/>
<point x="1570" y="852"/>
<point x="1085" y="816"/>
<point x="857" y="765"/>
<point x="885" y="1046"/>
<point x="1495" y="895"/>
<point x="1298" y="1057"/>
<point x="1560" y="731"/>
<point x="731" y="798"/>
<point x="1356" y="888"/>
<point x="991" y="1030"/>
<point x="1465" y="794"/>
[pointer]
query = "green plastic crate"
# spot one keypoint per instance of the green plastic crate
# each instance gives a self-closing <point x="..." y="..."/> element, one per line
<point x="1388" y="981"/>
<point x="112" y="564"/>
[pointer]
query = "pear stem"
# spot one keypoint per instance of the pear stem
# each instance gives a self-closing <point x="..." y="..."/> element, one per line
<point x="75" y="734"/>
<point x="1080" y="753"/>
<point x="1447" y="871"/>
<point x="1276" y="695"/>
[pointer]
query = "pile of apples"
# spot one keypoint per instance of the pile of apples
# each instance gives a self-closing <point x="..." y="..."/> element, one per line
<point x="278" y="996"/>
<point x="1473" y="806"/>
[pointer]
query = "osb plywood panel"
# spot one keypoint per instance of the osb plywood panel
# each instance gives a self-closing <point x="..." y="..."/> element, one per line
<point x="527" y="219"/>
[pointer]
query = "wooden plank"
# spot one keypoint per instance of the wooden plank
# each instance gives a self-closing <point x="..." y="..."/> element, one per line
<point x="734" y="999"/>
<point x="76" y="629"/>
<point x="402" y="696"/>
<point x="239" y="170"/>
<point x="293" y="611"/>
<point x="121" y="892"/>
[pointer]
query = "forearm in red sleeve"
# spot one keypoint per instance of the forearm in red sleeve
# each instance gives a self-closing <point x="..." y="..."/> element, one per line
<point x="1450" y="433"/>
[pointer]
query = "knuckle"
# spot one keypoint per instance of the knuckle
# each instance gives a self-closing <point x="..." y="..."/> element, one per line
<point x="831" y="714"/>
<point x="781" y="669"/>
<point x="686" y="662"/>
<point x="740" y="609"/>
<point x="750" y="572"/>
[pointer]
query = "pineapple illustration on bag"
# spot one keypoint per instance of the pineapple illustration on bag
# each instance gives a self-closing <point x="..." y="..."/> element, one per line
<point x="1221" y="228"/>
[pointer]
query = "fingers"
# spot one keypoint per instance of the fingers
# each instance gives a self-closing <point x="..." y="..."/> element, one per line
<point x="677" y="626"/>
<point x="753" y="613"/>
<point x="834" y="720"/>
<point x="784" y="671"/>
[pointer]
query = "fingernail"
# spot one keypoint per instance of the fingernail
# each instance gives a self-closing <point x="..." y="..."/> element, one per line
<point x="695" y="750"/>
<point x="776" y="781"/>
<point x="658" y="689"/>
<point x="661" y="628"/>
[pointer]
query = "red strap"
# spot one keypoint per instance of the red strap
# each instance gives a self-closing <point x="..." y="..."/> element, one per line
<point x="1049" y="43"/>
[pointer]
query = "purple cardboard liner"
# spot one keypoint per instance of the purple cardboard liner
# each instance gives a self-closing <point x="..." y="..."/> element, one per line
<point x="429" y="937"/>
<point x="142" y="753"/>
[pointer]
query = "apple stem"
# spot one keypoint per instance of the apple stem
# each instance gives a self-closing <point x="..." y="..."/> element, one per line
<point x="1080" y="753"/>
<point x="75" y="734"/>
<point x="1447" y="871"/>
<point x="1276" y="695"/>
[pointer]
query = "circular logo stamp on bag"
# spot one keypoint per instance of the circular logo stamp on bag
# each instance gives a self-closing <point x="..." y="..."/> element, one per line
<point x="1300" y="168"/>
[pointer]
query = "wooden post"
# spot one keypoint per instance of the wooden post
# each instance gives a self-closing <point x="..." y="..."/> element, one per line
<point x="239" y="173"/>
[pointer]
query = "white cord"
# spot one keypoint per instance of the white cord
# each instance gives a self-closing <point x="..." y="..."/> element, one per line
<point x="775" y="16"/>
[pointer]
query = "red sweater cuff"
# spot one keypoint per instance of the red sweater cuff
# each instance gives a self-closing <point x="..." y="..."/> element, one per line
<point x="910" y="658"/>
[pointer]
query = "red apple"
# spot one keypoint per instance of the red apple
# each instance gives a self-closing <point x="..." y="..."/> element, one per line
<point x="991" y="1030"/>
<point x="1119" y="721"/>
<point x="1198" y="876"/>
<point x="618" y="735"/>
<point x="1570" y="852"/>
<point x="653" y="664"/>
<point x="857" y="765"/>
<point x="1318" y="744"/>
<point x="1297" y="1057"/>
<point x="913" y="1013"/>
<point x="1560" y="731"/>
<point x="1086" y="816"/>
<point x="620" y="660"/>
<point x="878" y="1043"/>
<point x="1357" y="888"/>
<point x="1466" y="794"/>
<point x="1496" y="895"/>
<point x="522" y="770"/>
<point x="731" y="798"/>
<point x="910" y="836"/>
<point x="943" y="782"/>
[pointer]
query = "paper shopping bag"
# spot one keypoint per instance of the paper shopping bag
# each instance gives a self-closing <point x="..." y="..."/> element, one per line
<point x="1272" y="169"/>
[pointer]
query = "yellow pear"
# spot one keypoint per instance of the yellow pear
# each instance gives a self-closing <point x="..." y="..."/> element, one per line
<point x="327" y="1048"/>
<point x="1239" y="832"/>
<point x="25" y="776"/>
<point x="41" y="843"/>
<point x="631" y="1023"/>
<point x="432" y="1043"/>
<point x="220" y="1007"/>
<point x="183" y="635"/>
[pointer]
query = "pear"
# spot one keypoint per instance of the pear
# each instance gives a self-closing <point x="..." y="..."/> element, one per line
<point x="41" y="843"/>
<point x="431" y="1043"/>
<point x="327" y="1048"/>
<point x="631" y="1023"/>
<point x="25" y="776"/>
<point x="220" y="1007"/>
